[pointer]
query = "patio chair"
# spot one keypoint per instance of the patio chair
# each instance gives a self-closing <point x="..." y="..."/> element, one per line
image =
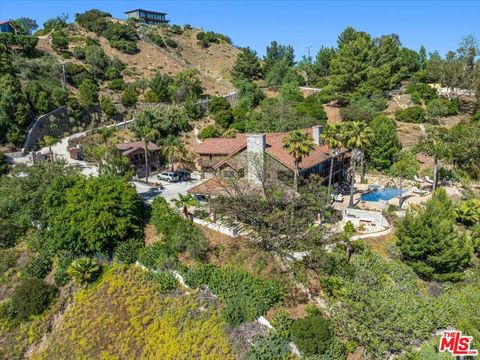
<point x="417" y="191"/>
<point x="417" y="179"/>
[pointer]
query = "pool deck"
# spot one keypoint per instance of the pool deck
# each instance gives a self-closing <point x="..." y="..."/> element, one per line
<point x="410" y="197"/>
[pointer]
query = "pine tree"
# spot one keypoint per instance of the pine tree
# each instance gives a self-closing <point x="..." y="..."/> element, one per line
<point x="431" y="243"/>
<point x="384" y="145"/>
<point x="247" y="66"/>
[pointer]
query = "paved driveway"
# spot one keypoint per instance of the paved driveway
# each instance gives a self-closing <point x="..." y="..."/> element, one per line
<point x="169" y="192"/>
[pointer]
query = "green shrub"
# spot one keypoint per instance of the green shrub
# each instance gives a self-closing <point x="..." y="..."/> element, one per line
<point x="421" y="93"/>
<point x="218" y="103"/>
<point x="116" y="84"/>
<point x="313" y="107"/>
<point x="84" y="270"/>
<point x="78" y="53"/>
<point x="187" y="238"/>
<point x="61" y="277"/>
<point x="171" y="43"/>
<point x="157" y="39"/>
<point x="128" y="251"/>
<point x="32" y="297"/>
<point x="93" y="20"/>
<point x="237" y="311"/>
<point x="271" y="347"/>
<point x="209" y="131"/>
<point x="129" y="96"/>
<point x="59" y="41"/>
<point x="414" y="114"/>
<point x="8" y="259"/>
<point x="125" y="46"/>
<point x="442" y="107"/>
<point x="282" y="324"/>
<point x="158" y="256"/>
<point x="176" y="29"/>
<point x="38" y="267"/>
<point x="223" y="118"/>
<point x="253" y="296"/>
<point x="312" y="334"/>
<point x="164" y="281"/>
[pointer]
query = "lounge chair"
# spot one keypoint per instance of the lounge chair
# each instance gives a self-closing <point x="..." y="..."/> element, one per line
<point x="415" y="190"/>
<point x="338" y="198"/>
<point x="428" y="180"/>
<point x="417" y="179"/>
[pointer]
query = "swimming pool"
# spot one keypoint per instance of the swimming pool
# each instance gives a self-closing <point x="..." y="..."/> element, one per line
<point x="383" y="194"/>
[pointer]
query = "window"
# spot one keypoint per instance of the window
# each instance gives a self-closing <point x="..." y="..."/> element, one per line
<point x="228" y="174"/>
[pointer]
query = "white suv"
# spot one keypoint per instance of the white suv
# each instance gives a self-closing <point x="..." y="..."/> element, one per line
<point x="169" y="176"/>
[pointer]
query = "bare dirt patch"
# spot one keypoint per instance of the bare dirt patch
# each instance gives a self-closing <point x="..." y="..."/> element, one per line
<point x="333" y="112"/>
<point x="150" y="235"/>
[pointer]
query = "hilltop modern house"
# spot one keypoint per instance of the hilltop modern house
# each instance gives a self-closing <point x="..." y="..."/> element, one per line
<point x="147" y="16"/>
<point x="7" y="27"/>
<point x="248" y="155"/>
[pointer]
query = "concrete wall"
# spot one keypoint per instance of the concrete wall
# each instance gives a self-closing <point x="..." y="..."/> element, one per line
<point x="54" y="123"/>
<point x="357" y="215"/>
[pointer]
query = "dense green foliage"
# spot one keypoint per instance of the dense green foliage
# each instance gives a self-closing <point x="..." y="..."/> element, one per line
<point x="430" y="242"/>
<point x="22" y="205"/>
<point x="246" y="297"/>
<point x="32" y="297"/>
<point x="421" y="93"/>
<point x="180" y="235"/>
<point x="365" y="66"/>
<point x="95" y="215"/>
<point x="414" y="114"/>
<point x="38" y="267"/>
<point x="384" y="145"/>
<point x="312" y="334"/>
<point x="406" y="165"/>
<point x="83" y="270"/>
<point x="376" y="289"/>
<point x="164" y="121"/>
<point x="247" y="66"/>
<point x="120" y="36"/>
<point x="128" y="251"/>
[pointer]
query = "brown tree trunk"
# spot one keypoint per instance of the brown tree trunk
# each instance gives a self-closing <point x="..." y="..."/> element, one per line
<point x="352" y="185"/>
<point x="146" y="162"/>
<point x="330" y="177"/>
<point x="435" y="175"/>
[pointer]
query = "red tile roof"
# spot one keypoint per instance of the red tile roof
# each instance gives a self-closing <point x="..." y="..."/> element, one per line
<point x="128" y="147"/>
<point x="274" y="147"/>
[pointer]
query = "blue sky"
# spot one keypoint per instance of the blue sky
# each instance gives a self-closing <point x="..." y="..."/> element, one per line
<point x="439" y="25"/>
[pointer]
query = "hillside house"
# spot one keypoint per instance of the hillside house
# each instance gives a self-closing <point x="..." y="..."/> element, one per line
<point x="7" y="27"/>
<point x="248" y="155"/>
<point x="147" y="16"/>
<point x="135" y="151"/>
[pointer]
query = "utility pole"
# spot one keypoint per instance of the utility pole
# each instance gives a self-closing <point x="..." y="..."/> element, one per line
<point x="308" y="50"/>
<point x="64" y="76"/>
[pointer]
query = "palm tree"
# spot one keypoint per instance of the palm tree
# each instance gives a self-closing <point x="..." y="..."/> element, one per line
<point x="147" y="134"/>
<point x="83" y="270"/>
<point x="331" y="136"/>
<point x="298" y="144"/>
<point x="435" y="145"/>
<point x="356" y="136"/>
<point x="184" y="201"/>
<point x="173" y="150"/>
<point x="49" y="141"/>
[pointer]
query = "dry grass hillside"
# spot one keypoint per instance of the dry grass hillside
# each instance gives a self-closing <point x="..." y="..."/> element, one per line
<point x="213" y="63"/>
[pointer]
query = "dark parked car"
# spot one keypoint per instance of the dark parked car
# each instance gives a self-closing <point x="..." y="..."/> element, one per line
<point x="183" y="175"/>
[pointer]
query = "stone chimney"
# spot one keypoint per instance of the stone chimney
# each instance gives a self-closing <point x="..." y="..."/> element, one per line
<point x="316" y="134"/>
<point x="256" y="144"/>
